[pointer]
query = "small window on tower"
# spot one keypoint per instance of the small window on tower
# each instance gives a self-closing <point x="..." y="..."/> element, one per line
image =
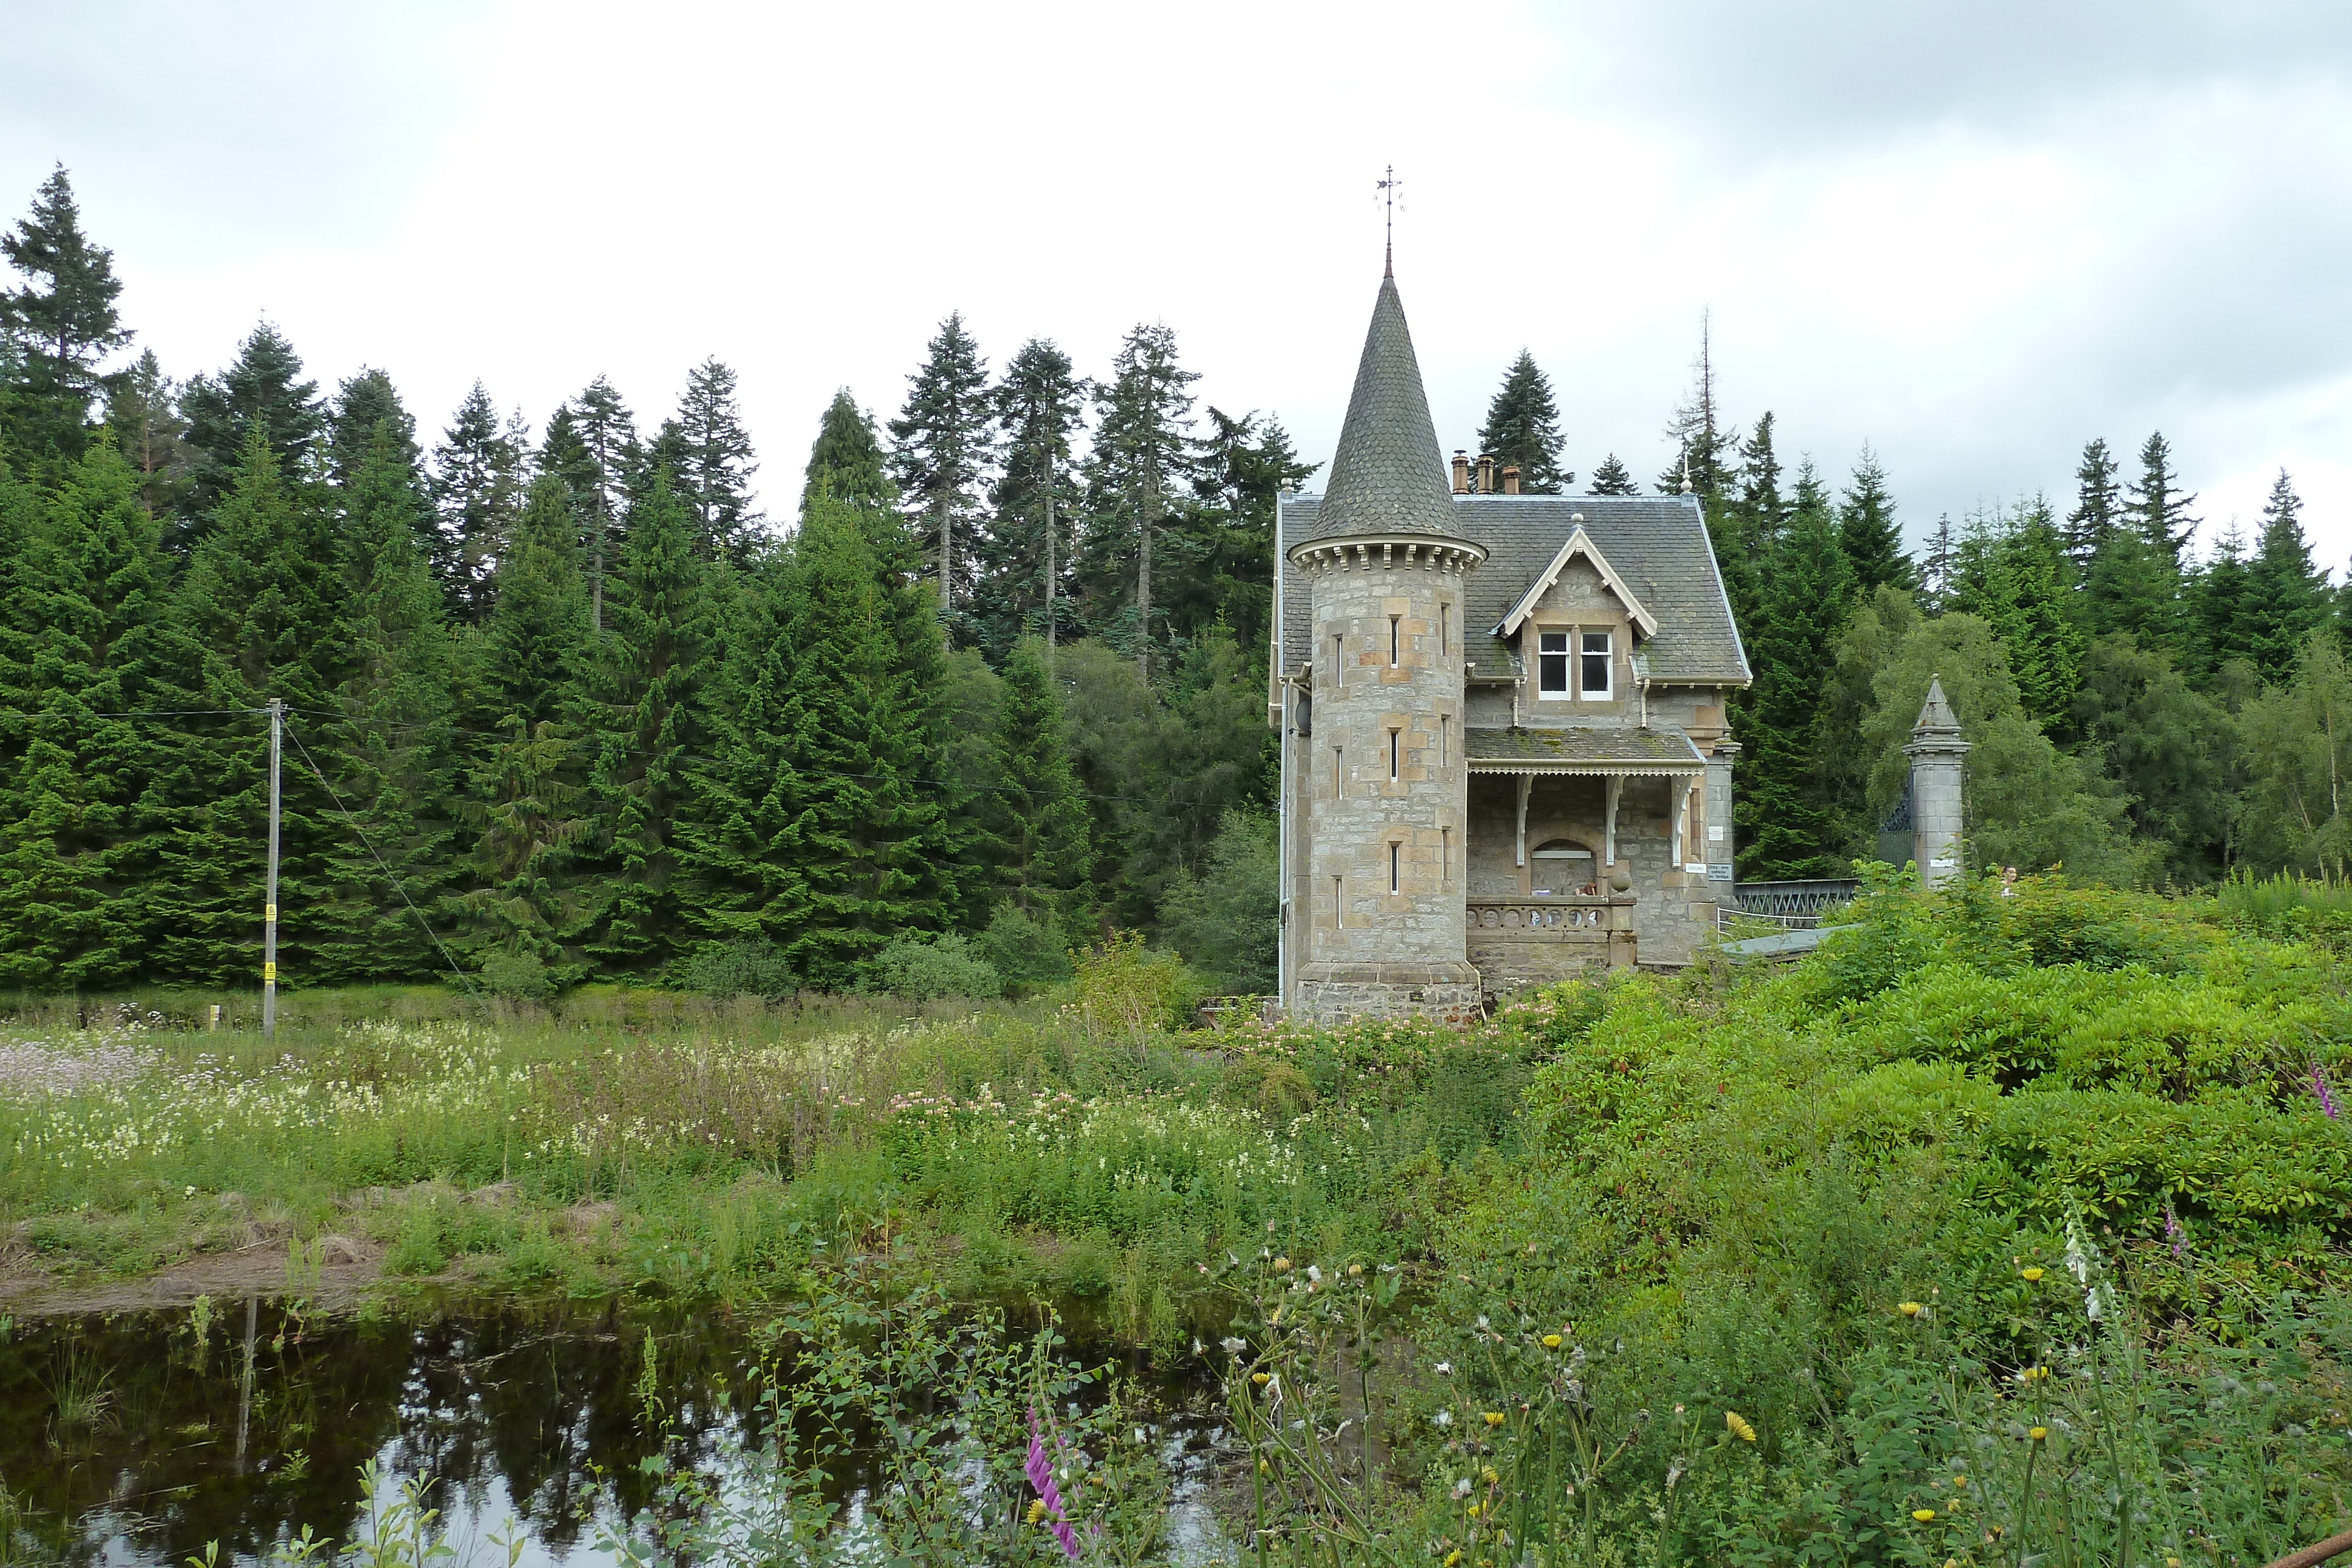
<point x="1396" y="746"/>
<point x="1339" y="773"/>
<point x="1445" y="738"/>
<point x="1594" y="678"/>
<point x="1396" y="639"/>
<point x="1338" y="904"/>
<point x="1445" y="629"/>
<point x="1445" y="857"/>
<point x="1396" y="872"/>
<point x="1551" y="664"/>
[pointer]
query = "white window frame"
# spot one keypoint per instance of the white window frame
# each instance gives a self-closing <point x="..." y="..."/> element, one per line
<point x="1607" y="654"/>
<point x="1564" y="653"/>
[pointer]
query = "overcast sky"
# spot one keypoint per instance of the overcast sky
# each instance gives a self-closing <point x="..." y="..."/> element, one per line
<point x="1972" y="235"/>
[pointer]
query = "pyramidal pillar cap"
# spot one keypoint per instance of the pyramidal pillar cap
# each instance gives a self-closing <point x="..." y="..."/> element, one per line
<point x="1938" y="727"/>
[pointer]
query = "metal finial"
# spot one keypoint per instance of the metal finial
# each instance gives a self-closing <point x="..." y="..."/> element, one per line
<point x="1687" y="484"/>
<point x="1388" y="187"/>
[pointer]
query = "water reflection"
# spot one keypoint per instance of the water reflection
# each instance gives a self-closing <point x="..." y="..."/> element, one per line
<point x="131" y="1440"/>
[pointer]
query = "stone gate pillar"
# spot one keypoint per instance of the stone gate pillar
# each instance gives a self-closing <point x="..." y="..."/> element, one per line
<point x="1939" y="769"/>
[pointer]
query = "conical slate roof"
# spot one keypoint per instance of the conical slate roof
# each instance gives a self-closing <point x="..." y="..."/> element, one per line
<point x="1936" y="712"/>
<point x="1388" y="476"/>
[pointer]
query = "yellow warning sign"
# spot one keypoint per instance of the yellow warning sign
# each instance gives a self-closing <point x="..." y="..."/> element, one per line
<point x="269" y="912"/>
<point x="269" y="974"/>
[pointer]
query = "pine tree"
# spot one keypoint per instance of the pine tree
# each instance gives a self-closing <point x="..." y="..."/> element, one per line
<point x="537" y="634"/>
<point x="2286" y="595"/>
<point x="646" y="720"/>
<point x="84" y="640"/>
<point x="941" y="451"/>
<point x="1868" y="534"/>
<point x="1522" y="429"/>
<point x="261" y="391"/>
<point x="142" y="405"/>
<point x="2098" y="506"/>
<point x="595" y="454"/>
<point x="1706" y="450"/>
<point x="475" y="473"/>
<point x="1786" y="821"/>
<point x="1036" y="819"/>
<point x="1612" y="477"/>
<point x="2157" y="504"/>
<point x="1039" y="407"/>
<point x="2013" y="572"/>
<point x="1143" y="454"/>
<point x="846" y="458"/>
<point x="1938" y="569"/>
<point x="62" y="321"/>
<point x="392" y="749"/>
<point x="714" y="465"/>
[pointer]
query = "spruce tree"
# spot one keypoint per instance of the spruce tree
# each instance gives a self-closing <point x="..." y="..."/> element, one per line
<point x="365" y="400"/>
<point x="62" y="321"/>
<point x="860" y="829"/>
<point x="1522" y="429"/>
<point x="1868" y="534"/>
<point x="392" y="747"/>
<point x="84" y="641"/>
<point x="1939" y="565"/>
<point x="2098" y="506"/>
<point x="1036" y="819"/>
<point x="261" y="391"/>
<point x="714" y="465"/>
<point x="1224" y="566"/>
<point x="1788" y="826"/>
<point x="646" y="720"/>
<point x="1612" y="477"/>
<point x="2218" y="606"/>
<point x="258" y="596"/>
<point x="847" y="459"/>
<point x="2286" y="595"/>
<point x="2157" y="504"/>
<point x="142" y="405"/>
<point x="2014" y="574"/>
<point x="595" y="452"/>
<point x="1143" y="455"/>
<point x="474" y="496"/>
<point x="941" y="451"/>
<point x="1039" y="408"/>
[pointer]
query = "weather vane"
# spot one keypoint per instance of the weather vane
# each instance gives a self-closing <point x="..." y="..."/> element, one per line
<point x="1388" y="187"/>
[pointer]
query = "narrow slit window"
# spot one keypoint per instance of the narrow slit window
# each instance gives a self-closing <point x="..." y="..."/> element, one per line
<point x="1551" y="664"/>
<point x="1396" y="639"/>
<point x="1396" y="868"/>
<point x="1593" y="677"/>
<point x="1338" y="647"/>
<point x="1338" y="904"/>
<point x="1445" y="738"/>
<point x="1396" y="745"/>
<point x="1445" y="857"/>
<point x="1339" y="773"/>
<point x="1445" y="629"/>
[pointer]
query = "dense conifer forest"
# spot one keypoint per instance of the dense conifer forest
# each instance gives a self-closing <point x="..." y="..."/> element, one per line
<point x="988" y="678"/>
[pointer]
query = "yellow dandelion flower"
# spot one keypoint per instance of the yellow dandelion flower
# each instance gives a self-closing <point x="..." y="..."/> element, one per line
<point x="1552" y="1341"/>
<point x="1037" y="1510"/>
<point x="1259" y="1378"/>
<point x="1959" y="1481"/>
<point x="1909" y="1309"/>
<point x="1493" y="1417"/>
<point x="2035" y="1434"/>
<point x="1489" y="1477"/>
<point x="2031" y="1276"/>
<point x="1924" y="1515"/>
<point x="1452" y="1557"/>
<point x="1736" y="1424"/>
<point x="1281" y="1265"/>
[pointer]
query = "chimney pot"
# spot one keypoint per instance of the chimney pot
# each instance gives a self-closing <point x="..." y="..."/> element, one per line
<point x="1461" y="472"/>
<point x="1511" y="479"/>
<point x="1485" y="473"/>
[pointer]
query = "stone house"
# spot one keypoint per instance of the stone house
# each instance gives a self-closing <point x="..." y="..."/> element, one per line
<point x="1504" y="752"/>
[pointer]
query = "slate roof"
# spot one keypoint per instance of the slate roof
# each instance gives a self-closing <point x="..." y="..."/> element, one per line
<point x="1387" y="475"/>
<point x="1611" y="747"/>
<point x="1658" y="543"/>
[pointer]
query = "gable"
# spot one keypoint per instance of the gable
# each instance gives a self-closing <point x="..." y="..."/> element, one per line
<point x="1572" y="589"/>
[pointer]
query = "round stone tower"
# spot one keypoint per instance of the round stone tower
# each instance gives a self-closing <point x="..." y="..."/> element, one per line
<point x="1384" y="764"/>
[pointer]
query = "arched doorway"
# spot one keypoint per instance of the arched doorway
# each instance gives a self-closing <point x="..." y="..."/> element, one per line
<point x="1559" y="868"/>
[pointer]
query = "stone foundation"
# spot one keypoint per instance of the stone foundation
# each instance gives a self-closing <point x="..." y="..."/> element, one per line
<point x="1330" y="994"/>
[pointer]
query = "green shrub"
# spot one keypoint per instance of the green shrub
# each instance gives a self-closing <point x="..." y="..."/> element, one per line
<point x="923" y="968"/>
<point x="519" y="976"/>
<point x="739" y="968"/>
<point x="1025" y="951"/>
<point x="1124" y="988"/>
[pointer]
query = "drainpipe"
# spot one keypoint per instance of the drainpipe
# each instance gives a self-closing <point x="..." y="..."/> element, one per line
<point x="1282" y="795"/>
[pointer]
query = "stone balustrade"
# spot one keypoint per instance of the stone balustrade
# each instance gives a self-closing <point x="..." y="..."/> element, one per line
<point x="1565" y="916"/>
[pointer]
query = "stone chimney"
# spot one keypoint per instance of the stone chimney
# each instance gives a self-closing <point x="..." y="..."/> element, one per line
<point x="1461" y="472"/>
<point x="1510" y="479"/>
<point x="1939" y="771"/>
<point x="1485" y="473"/>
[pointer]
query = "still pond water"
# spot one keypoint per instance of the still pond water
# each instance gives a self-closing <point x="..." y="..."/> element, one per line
<point x="122" y="1442"/>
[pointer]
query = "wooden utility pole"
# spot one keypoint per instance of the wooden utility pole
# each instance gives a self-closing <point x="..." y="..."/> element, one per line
<point x="269" y="905"/>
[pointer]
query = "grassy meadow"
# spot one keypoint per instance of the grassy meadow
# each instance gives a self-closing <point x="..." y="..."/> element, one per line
<point x="2002" y="1230"/>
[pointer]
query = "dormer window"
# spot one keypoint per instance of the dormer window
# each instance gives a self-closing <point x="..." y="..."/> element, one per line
<point x="1594" y="678"/>
<point x="1551" y="664"/>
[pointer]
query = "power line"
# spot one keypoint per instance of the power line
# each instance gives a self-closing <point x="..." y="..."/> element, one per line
<point x="361" y="833"/>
